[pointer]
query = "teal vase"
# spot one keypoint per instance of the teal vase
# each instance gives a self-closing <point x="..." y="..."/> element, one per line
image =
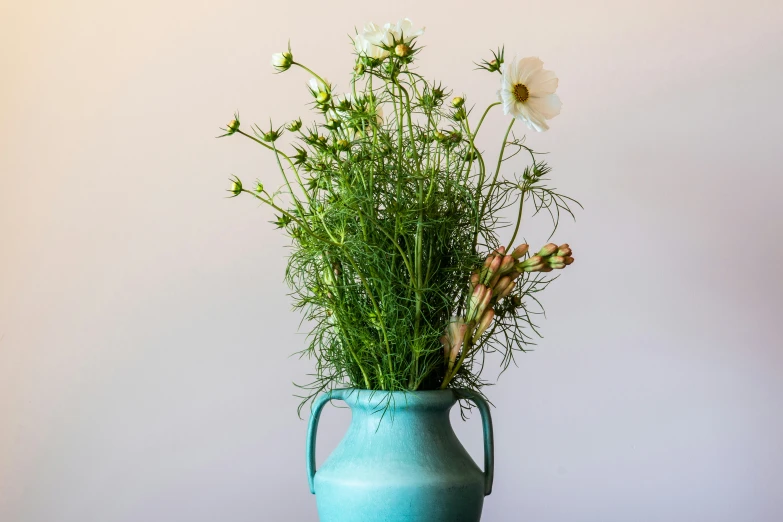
<point x="401" y="463"/>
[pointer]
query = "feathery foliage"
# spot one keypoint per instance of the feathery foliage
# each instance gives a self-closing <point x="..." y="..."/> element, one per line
<point x="391" y="208"/>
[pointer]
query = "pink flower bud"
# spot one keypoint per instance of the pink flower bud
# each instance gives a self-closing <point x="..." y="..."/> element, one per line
<point x="493" y="269"/>
<point x="501" y="285"/>
<point x="475" y="301"/>
<point x="484" y="324"/>
<point x="531" y="261"/>
<point x="507" y="264"/>
<point x="508" y="290"/>
<point x="520" y="251"/>
<point x="453" y="339"/>
<point x="548" y="250"/>
<point x="486" y="298"/>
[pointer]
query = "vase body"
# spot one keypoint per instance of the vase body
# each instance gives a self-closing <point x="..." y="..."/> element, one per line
<point x="403" y="463"/>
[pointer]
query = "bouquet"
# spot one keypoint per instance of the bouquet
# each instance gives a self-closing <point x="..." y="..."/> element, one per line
<point x="395" y="214"/>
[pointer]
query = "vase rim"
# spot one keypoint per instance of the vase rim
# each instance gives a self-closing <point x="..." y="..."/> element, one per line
<point x="403" y="399"/>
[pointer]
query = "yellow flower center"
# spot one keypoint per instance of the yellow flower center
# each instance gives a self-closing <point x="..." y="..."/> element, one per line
<point x="521" y="93"/>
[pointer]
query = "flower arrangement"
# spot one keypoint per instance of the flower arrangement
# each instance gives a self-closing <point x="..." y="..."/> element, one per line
<point x="394" y="217"/>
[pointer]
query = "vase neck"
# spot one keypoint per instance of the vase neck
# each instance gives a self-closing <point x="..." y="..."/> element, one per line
<point x="392" y="412"/>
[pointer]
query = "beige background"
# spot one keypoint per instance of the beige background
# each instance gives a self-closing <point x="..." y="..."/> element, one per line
<point x="144" y="328"/>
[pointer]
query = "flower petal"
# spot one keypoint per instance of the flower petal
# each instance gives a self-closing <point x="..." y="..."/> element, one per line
<point x="526" y="67"/>
<point x="536" y="120"/>
<point x="547" y="106"/>
<point x="510" y="72"/>
<point x="542" y="82"/>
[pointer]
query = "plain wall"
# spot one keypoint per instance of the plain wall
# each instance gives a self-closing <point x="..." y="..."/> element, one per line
<point x="145" y="332"/>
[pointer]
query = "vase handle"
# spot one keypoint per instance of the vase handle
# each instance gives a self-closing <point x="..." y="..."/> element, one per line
<point x="489" y="448"/>
<point x="312" y="430"/>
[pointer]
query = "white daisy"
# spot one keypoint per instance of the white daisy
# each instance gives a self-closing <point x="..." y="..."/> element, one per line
<point x="403" y="29"/>
<point x="528" y="92"/>
<point x="370" y="41"/>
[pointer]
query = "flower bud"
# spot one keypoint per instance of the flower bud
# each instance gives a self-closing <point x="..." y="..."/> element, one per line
<point x="359" y="68"/>
<point x="520" y="251"/>
<point x="488" y="260"/>
<point x="259" y="187"/>
<point x="507" y="291"/>
<point x="474" y="279"/>
<point x="569" y="260"/>
<point x="533" y="260"/>
<point x="494" y="66"/>
<point x="457" y="102"/>
<point x="556" y="260"/>
<point x="557" y="266"/>
<point x="271" y="136"/>
<point x="232" y="127"/>
<point x="484" y="304"/>
<point x="453" y="339"/>
<point x="516" y="300"/>
<point x="534" y="268"/>
<point x="294" y="125"/>
<point x="300" y="156"/>
<point x="282" y="61"/>
<point x="501" y="285"/>
<point x="333" y="124"/>
<point x="236" y="187"/>
<point x="475" y="300"/>
<point x="486" y="320"/>
<point x="402" y="50"/>
<point x="345" y="104"/>
<point x="322" y="97"/>
<point x="493" y="268"/>
<point x="563" y="250"/>
<point x="342" y="145"/>
<point x="548" y="250"/>
<point x="507" y="264"/>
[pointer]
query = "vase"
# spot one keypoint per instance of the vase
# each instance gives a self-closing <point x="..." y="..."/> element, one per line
<point x="400" y="460"/>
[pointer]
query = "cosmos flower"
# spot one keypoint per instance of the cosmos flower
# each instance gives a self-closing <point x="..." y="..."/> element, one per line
<point x="527" y="92"/>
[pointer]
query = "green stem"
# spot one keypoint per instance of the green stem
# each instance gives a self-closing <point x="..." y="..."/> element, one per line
<point x="486" y="199"/>
<point x="519" y="220"/>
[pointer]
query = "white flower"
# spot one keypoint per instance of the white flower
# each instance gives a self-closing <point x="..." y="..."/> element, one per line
<point x="320" y="89"/>
<point x="370" y="41"/>
<point x="282" y="61"/>
<point x="528" y="92"/>
<point x="366" y="47"/>
<point x="317" y="85"/>
<point x="373" y="38"/>
<point x="403" y="31"/>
